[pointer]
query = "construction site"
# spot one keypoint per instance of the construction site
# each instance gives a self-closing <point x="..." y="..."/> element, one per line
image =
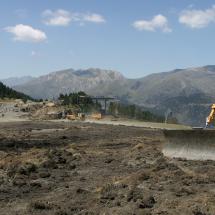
<point x="107" y="107"/>
<point x="52" y="163"/>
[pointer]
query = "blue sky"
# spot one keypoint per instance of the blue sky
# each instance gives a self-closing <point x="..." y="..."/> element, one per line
<point x="135" y="37"/>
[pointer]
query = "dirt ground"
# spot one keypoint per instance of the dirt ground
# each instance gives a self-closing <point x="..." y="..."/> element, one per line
<point x="79" y="168"/>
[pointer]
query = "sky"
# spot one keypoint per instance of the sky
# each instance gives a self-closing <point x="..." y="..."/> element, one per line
<point x="134" y="37"/>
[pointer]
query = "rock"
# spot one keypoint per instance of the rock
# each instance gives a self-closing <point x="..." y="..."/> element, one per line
<point x="72" y="166"/>
<point x="19" y="182"/>
<point x="39" y="205"/>
<point x="27" y="169"/>
<point x="44" y="174"/>
<point x="147" y="202"/>
<point x="50" y="164"/>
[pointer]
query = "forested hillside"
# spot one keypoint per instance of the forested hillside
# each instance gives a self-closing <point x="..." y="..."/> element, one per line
<point x="7" y="92"/>
<point x="134" y="112"/>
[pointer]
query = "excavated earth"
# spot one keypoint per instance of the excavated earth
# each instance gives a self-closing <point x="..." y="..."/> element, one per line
<point x="77" y="168"/>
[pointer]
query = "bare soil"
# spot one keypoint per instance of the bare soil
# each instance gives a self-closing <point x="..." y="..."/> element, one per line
<point x="79" y="168"/>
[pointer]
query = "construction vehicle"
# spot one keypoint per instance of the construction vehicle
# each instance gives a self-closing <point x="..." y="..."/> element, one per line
<point x="79" y="116"/>
<point x="193" y="144"/>
<point x="71" y="117"/>
<point x="211" y="117"/>
<point x="96" y="116"/>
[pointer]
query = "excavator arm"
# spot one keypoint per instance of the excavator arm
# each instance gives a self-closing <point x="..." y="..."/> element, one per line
<point x="211" y="117"/>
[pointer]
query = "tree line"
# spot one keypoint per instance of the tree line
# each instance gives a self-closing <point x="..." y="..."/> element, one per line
<point x="86" y="104"/>
<point x="7" y="92"/>
<point x="133" y="112"/>
<point x="81" y="100"/>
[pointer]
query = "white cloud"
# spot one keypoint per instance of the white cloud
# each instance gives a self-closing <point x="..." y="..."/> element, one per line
<point x="159" y="22"/>
<point x="96" y="18"/>
<point x="197" y="18"/>
<point x="26" y="33"/>
<point x="64" y="18"/>
<point x="57" y="18"/>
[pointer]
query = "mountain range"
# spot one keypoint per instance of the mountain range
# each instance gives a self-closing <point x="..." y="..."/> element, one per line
<point x="188" y="93"/>
<point x="13" y="81"/>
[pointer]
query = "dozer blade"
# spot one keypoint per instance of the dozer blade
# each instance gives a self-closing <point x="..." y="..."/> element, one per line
<point x="190" y="144"/>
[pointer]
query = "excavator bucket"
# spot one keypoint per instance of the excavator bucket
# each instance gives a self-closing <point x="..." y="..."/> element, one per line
<point x="190" y="144"/>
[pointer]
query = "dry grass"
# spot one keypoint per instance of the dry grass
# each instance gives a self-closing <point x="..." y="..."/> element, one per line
<point x="34" y="156"/>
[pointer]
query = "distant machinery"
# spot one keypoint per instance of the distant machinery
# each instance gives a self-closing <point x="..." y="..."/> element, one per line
<point x="103" y="99"/>
<point x="168" y="114"/>
<point x="100" y="99"/>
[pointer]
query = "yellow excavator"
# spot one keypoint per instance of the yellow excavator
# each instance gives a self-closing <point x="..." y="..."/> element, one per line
<point x="192" y="144"/>
<point x="211" y="117"/>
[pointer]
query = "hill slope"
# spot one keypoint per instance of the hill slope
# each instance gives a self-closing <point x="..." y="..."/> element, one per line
<point x="187" y="92"/>
<point x="6" y="92"/>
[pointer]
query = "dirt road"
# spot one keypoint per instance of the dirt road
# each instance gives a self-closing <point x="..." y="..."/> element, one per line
<point x="139" y="124"/>
<point x="75" y="168"/>
<point x="10" y="113"/>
